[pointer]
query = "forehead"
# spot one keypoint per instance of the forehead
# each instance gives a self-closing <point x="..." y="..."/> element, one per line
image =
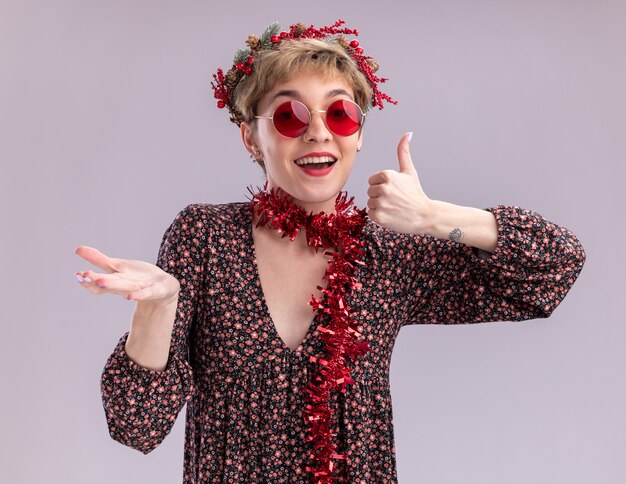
<point x="308" y="88"/>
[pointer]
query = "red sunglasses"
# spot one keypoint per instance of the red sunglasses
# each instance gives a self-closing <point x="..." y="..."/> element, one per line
<point x="292" y="118"/>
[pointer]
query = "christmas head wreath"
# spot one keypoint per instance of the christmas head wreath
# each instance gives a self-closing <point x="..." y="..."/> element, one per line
<point x="243" y="64"/>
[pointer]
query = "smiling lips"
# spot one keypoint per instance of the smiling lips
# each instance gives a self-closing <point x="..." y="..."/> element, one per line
<point x="311" y="160"/>
<point x="316" y="164"/>
<point x="316" y="157"/>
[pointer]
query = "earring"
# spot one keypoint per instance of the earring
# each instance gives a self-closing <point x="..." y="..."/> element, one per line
<point x="254" y="156"/>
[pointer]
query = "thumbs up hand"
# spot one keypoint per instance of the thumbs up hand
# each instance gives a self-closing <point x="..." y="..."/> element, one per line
<point x="396" y="199"/>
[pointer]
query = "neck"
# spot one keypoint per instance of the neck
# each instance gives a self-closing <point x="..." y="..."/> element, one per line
<point x="326" y="206"/>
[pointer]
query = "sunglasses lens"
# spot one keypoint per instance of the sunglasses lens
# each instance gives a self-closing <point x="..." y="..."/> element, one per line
<point x="291" y="119"/>
<point x="344" y="117"/>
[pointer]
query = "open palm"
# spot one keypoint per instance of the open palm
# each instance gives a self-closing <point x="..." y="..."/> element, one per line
<point x="132" y="279"/>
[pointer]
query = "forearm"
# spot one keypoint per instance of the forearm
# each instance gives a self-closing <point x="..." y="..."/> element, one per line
<point x="150" y="334"/>
<point x="466" y="225"/>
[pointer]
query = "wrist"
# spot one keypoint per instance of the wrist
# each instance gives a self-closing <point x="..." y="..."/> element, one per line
<point x="148" y="306"/>
<point x="434" y="218"/>
<point x="156" y="313"/>
<point x="466" y="225"/>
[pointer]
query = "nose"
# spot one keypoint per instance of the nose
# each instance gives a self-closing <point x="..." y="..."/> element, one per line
<point x="317" y="130"/>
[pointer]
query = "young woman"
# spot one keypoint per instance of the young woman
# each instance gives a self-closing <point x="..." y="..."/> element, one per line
<point x="276" y="392"/>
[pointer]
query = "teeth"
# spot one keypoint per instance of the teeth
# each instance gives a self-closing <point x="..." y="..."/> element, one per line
<point x="321" y="159"/>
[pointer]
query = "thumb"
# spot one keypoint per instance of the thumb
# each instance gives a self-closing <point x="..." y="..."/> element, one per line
<point x="404" y="155"/>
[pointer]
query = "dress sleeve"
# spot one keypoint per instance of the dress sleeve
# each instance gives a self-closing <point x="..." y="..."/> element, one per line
<point x="141" y="405"/>
<point x="534" y="265"/>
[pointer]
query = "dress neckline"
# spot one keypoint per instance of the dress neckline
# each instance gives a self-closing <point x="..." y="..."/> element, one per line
<point x="267" y="317"/>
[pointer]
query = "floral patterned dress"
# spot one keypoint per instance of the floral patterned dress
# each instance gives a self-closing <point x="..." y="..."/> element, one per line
<point x="243" y="385"/>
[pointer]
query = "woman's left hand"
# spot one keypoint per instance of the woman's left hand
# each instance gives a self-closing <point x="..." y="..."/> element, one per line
<point x="396" y="199"/>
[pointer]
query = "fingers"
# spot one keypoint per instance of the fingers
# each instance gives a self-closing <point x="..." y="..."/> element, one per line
<point x="375" y="191"/>
<point x="130" y="290"/>
<point x="95" y="282"/>
<point x="98" y="283"/>
<point x="380" y="177"/>
<point x="88" y="283"/>
<point x="97" y="258"/>
<point x="404" y="154"/>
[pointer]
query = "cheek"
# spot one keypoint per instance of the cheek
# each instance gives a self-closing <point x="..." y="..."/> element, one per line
<point x="276" y="147"/>
<point x="350" y="146"/>
<point x="276" y="153"/>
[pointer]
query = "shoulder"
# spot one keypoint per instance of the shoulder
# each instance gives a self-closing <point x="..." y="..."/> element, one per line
<point x="208" y="220"/>
<point x="212" y="213"/>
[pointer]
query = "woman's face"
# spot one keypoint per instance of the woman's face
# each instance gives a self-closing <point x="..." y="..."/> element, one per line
<point x="313" y="193"/>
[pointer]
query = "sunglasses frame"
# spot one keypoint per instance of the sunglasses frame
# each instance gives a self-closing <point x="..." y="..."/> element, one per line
<point x="311" y="117"/>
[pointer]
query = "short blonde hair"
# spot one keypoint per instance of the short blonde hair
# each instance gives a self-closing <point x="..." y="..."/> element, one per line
<point x="274" y="66"/>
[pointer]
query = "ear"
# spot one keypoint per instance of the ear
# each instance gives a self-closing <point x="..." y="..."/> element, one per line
<point x="359" y="142"/>
<point x="247" y="137"/>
